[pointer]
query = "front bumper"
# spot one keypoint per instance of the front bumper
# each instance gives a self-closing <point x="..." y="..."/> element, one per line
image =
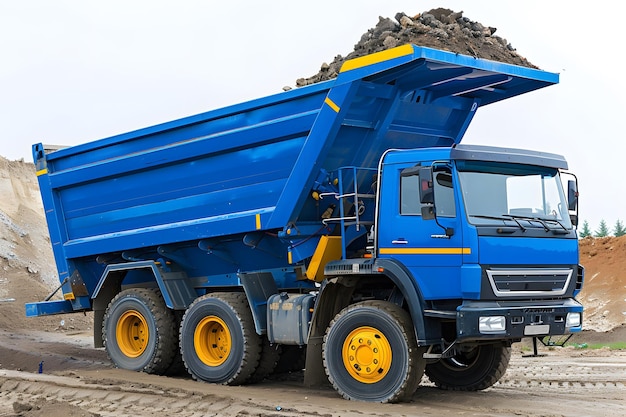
<point x="495" y="320"/>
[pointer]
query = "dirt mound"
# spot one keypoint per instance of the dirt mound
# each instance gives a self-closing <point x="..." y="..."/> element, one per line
<point x="24" y="241"/>
<point x="604" y="290"/>
<point x="27" y="268"/>
<point x="438" y="28"/>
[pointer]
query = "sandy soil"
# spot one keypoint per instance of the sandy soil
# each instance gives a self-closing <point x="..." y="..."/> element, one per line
<point x="76" y="380"/>
<point x="604" y="290"/>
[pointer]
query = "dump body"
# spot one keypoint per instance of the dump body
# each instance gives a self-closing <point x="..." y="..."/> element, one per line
<point x="252" y="166"/>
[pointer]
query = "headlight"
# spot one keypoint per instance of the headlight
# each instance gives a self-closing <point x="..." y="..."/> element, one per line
<point x="492" y="324"/>
<point x="573" y="320"/>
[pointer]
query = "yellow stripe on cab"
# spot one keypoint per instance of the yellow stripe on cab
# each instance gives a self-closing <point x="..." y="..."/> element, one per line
<point x="425" y="251"/>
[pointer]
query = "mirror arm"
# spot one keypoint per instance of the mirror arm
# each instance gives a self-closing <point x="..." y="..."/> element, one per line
<point x="429" y="213"/>
<point x="448" y="230"/>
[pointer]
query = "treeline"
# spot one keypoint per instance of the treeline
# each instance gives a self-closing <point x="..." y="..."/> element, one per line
<point x="602" y="230"/>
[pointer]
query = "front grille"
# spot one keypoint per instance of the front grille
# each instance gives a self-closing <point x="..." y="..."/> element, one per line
<point x="580" y="278"/>
<point x="529" y="282"/>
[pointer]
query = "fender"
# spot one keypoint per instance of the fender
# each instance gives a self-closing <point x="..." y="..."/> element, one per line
<point x="174" y="286"/>
<point x="336" y="293"/>
<point x="404" y="280"/>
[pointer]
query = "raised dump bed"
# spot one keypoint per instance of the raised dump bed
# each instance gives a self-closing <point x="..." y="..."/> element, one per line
<point x="252" y="166"/>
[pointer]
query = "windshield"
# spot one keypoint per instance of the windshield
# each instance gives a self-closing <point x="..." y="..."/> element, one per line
<point x="496" y="192"/>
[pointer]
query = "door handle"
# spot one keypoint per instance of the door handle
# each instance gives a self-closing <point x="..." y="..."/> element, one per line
<point x="400" y="241"/>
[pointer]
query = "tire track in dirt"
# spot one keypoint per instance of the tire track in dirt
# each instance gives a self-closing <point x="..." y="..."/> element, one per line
<point x="120" y="398"/>
<point x="563" y="383"/>
<point x="599" y="372"/>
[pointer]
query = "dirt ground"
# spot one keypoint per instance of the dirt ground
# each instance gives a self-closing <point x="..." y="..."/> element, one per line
<point x="77" y="380"/>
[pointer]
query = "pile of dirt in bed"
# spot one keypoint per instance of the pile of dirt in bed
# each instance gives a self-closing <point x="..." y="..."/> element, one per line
<point x="438" y="28"/>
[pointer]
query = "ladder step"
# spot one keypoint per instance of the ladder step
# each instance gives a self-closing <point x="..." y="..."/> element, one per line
<point x="440" y="314"/>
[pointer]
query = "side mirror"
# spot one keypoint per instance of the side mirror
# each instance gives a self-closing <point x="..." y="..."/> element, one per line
<point x="427" y="194"/>
<point x="428" y="212"/>
<point x="572" y="195"/>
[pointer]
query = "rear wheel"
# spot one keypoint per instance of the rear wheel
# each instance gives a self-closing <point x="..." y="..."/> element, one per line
<point x="292" y="359"/>
<point x="218" y="340"/>
<point x="177" y="368"/>
<point x="471" y="369"/>
<point x="270" y="355"/>
<point x="139" y="331"/>
<point x="370" y="353"/>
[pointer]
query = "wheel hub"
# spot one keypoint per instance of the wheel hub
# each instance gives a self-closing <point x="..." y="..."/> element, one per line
<point x="212" y="341"/>
<point x="367" y="354"/>
<point x="132" y="333"/>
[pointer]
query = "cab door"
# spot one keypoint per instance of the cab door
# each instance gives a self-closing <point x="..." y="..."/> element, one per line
<point x="433" y="256"/>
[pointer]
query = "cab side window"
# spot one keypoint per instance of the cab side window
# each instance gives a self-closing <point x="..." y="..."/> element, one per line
<point x="444" y="194"/>
<point x="409" y="195"/>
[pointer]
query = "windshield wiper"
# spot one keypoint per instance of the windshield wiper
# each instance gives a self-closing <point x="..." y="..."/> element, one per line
<point x="541" y="221"/>
<point x="503" y="217"/>
<point x="516" y="218"/>
<point x="529" y="218"/>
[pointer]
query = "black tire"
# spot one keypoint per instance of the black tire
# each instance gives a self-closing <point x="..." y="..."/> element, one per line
<point x="476" y="369"/>
<point x="139" y="331"/>
<point x="177" y="368"/>
<point x="218" y="341"/>
<point x="370" y="353"/>
<point x="270" y="354"/>
<point x="292" y="359"/>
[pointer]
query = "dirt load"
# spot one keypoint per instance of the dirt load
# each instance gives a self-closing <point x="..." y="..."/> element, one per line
<point x="48" y="366"/>
<point x="438" y="28"/>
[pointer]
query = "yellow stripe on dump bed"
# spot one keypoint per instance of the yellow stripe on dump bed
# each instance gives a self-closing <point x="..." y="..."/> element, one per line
<point x="42" y="172"/>
<point x="332" y="104"/>
<point x="377" y="57"/>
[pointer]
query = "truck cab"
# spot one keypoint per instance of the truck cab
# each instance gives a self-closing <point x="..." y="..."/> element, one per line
<point x="477" y="244"/>
<point x="485" y="232"/>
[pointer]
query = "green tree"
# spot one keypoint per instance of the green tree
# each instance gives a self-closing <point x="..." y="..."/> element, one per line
<point x="585" y="232"/>
<point x="618" y="229"/>
<point x="603" y="230"/>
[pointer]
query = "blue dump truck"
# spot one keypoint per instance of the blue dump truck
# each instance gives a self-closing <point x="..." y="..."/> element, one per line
<point x="339" y="227"/>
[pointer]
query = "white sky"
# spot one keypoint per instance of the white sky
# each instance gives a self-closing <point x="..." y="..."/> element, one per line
<point x="76" y="71"/>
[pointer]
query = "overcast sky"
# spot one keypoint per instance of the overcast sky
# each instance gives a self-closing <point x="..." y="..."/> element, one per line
<point x="76" y="71"/>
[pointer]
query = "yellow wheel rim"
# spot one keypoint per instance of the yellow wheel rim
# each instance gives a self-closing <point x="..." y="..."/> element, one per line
<point x="212" y="341"/>
<point x="366" y="355"/>
<point x="132" y="333"/>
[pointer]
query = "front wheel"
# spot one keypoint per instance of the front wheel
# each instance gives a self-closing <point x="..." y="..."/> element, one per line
<point x="370" y="353"/>
<point x="471" y="369"/>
